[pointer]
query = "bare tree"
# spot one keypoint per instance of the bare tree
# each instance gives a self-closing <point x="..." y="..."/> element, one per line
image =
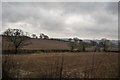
<point x="34" y="36"/>
<point x="79" y="45"/>
<point x="46" y="37"/>
<point x="43" y="36"/>
<point x="76" y="40"/>
<point x="83" y="46"/>
<point x="72" y="46"/>
<point x="94" y="44"/>
<point x="104" y="44"/>
<point x="70" y="39"/>
<point x="17" y="37"/>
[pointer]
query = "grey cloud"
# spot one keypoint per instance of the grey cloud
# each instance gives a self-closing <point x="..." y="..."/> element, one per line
<point x="105" y="18"/>
<point x="112" y="8"/>
<point x="20" y="12"/>
<point x="82" y="7"/>
<point x="50" y="17"/>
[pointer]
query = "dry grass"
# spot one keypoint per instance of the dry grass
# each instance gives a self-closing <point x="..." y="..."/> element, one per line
<point x="65" y="65"/>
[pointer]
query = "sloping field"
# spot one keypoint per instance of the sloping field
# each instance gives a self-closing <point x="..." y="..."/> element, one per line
<point x="43" y="44"/>
<point x="65" y="65"/>
<point x="38" y="44"/>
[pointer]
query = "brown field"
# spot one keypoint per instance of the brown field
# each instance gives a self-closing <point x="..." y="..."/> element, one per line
<point x="43" y="44"/>
<point x="38" y="44"/>
<point x="61" y="65"/>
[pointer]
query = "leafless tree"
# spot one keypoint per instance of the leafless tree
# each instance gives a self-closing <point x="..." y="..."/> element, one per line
<point x="81" y="45"/>
<point x="94" y="43"/>
<point x="72" y="46"/>
<point x="104" y="44"/>
<point x="43" y="36"/>
<point x="17" y="37"/>
<point x="34" y="36"/>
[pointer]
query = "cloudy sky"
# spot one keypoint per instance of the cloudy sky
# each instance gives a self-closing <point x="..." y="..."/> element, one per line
<point x="85" y="20"/>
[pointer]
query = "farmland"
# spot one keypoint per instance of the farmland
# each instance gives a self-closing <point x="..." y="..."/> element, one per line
<point x="61" y="65"/>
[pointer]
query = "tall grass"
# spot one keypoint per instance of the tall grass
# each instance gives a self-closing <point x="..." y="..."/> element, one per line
<point x="54" y="66"/>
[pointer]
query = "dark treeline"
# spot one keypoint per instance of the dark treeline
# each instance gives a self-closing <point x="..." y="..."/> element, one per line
<point x="19" y="38"/>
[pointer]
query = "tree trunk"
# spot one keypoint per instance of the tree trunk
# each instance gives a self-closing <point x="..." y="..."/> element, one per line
<point x="16" y="50"/>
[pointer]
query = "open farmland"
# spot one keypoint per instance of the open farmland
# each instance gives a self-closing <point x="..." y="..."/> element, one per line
<point x="61" y="65"/>
<point x="37" y="44"/>
<point x="43" y="44"/>
<point x="48" y="45"/>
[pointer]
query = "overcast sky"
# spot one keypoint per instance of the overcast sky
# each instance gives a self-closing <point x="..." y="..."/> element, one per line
<point x="85" y="20"/>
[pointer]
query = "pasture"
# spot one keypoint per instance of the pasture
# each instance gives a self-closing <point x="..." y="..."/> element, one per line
<point x="61" y="65"/>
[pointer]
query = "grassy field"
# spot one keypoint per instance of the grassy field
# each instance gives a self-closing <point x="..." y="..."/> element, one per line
<point x="61" y="65"/>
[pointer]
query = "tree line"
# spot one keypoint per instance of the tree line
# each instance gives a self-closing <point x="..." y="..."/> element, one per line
<point x="41" y="36"/>
<point x="20" y="38"/>
<point x="80" y="45"/>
